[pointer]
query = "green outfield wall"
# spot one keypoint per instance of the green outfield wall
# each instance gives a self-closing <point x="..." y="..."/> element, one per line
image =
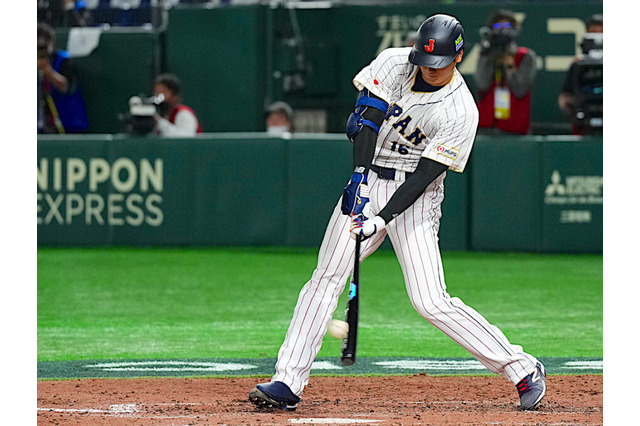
<point x="540" y="194"/>
<point x="236" y="60"/>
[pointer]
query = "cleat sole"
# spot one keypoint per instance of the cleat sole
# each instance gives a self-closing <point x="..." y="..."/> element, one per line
<point x="264" y="401"/>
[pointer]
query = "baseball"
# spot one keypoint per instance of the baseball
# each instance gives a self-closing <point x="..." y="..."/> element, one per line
<point x="338" y="329"/>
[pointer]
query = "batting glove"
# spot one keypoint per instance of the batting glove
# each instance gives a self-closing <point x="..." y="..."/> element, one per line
<point x="367" y="227"/>
<point x="355" y="197"/>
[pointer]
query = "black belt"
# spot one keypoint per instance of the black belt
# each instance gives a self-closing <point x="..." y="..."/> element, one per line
<point x="388" y="174"/>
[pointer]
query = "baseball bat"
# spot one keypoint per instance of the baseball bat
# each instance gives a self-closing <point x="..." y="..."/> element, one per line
<point x="348" y="356"/>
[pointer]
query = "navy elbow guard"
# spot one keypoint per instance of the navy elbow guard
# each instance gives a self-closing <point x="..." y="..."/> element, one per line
<point x="356" y="122"/>
<point x="358" y="119"/>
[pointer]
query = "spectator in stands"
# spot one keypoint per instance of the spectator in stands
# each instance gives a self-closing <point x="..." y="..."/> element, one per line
<point x="504" y="77"/>
<point x="60" y="103"/>
<point x="51" y="12"/>
<point x="569" y="99"/>
<point x="279" y="119"/>
<point x="64" y="13"/>
<point x="77" y="13"/>
<point x="174" y="118"/>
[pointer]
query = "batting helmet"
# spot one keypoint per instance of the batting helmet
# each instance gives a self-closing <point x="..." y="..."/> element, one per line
<point x="439" y="40"/>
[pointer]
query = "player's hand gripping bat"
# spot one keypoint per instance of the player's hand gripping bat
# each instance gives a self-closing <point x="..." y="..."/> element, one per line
<point x="348" y="356"/>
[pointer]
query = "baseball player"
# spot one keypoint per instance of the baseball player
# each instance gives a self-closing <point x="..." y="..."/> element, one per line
<point x="414" y="119"/>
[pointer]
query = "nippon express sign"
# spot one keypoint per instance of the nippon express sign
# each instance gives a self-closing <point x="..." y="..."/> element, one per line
<point x="96" y="191"/>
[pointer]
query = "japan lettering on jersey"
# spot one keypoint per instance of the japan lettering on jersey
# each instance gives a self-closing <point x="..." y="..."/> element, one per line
<point x="439" y="125"/>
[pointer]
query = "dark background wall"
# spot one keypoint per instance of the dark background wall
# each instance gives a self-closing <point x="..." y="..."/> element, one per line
<point x="230" y="187"/>
<point x="236" y="60"/>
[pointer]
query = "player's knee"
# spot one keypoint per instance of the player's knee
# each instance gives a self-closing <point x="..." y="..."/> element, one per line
<point x="325" y="277"/>
<point x="426" y="311"/>
<point x="432" y="308"/>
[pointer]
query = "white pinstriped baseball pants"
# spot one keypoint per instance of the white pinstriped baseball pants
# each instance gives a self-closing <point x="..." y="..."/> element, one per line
<point x="414" y="236"/>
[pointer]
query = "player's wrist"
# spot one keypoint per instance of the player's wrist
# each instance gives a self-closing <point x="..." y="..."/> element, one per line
<point x="379" y="222"/>
<point x="356" y="194"/>
<point x="385" y="216"/>
<point x="359" y="175"/>
<point x="366" y="228"/>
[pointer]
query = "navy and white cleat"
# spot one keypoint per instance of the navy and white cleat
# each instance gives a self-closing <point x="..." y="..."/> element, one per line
<point x="532" y="388"/>
<point x="274" y="395"/>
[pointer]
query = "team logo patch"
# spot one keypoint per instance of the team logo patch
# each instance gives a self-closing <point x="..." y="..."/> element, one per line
<point x="459" y="42"/>
<point x="429" y="48"/>
<point x="446" y="151"/>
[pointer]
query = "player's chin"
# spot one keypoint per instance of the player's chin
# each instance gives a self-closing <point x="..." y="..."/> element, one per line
<point x="434" y="77"/>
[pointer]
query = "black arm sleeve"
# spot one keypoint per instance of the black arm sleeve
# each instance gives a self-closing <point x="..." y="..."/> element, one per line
<point x="411" y="189"/>
<point x="364" y="143"/>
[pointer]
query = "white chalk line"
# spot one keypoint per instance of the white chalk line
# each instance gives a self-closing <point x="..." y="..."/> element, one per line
<point x="138" y="411"/>
<point x="333" y="421"/>
<point x="126" y="410"/>
<point x="74" y="410"/>
<point x="170" y="366"/>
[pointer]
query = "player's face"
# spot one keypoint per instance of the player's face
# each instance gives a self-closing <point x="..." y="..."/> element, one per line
<point x="440" y="76"/>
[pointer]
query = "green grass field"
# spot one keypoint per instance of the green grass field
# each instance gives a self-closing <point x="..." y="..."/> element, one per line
<point x="123" y="303"/>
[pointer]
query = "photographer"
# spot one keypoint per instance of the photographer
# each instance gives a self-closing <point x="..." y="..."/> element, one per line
<point x="504" y="76"/>
<point x="173" y="119"/>
<point x="581" y="95"/>
<point x="60" y="104"/>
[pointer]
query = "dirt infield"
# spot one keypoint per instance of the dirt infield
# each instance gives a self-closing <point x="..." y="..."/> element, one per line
<point x="394" y="400"/>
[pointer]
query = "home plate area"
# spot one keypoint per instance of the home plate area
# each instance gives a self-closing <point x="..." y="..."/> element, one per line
<point x="390" y="400"/>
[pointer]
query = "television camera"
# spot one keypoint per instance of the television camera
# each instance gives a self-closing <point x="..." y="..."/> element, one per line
<point x="141" y="116"/>
<point x="586" y="77"/>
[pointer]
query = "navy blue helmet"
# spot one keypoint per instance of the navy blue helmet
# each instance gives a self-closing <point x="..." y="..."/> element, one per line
<point x="439" y="40"/>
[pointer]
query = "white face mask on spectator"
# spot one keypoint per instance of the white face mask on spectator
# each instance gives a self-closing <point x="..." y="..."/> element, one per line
<point x="277" y="130"/>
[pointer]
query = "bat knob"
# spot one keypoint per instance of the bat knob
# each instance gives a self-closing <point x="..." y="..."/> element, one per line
<point x="348" y="360"/>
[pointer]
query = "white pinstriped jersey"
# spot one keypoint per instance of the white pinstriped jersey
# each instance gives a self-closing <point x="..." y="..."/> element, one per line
<point x="439" y="125"/>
